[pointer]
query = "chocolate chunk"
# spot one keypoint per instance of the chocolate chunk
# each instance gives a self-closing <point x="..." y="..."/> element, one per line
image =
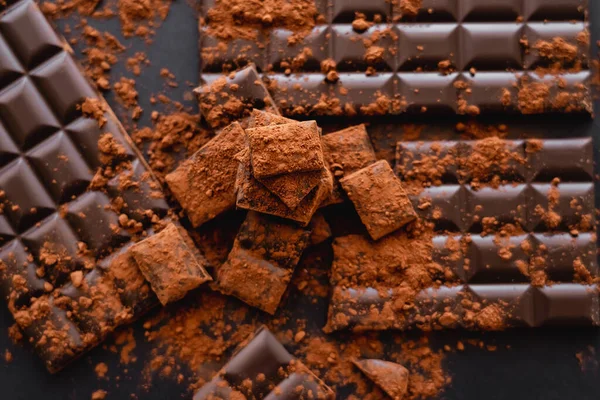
<point x="320" y="229"/>
<point x="389" y="376"/>
<point x="171" y="263"/>
<point x="204" y="183"/>
<point x="262" y="261"/>
<point x="346" y="151"/>
<point x="281" y="376"/>
<point x="224" y="100"/>
<point x="285" y="149"/>
<point x="292" y="188"/>
<point x="379" y="199"/>
<point x="253" y="195"/>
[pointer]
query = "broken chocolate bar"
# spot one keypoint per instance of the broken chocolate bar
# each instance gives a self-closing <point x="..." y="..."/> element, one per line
<point x="74" y="196"/>
<point x="263" y="369"/>
<point x="171" y="263"/>
<point x="204" y="184"/>
<point x="262" y="261"/>
<point x="443" y="57"/>
<point x="505" y="240"/>
<point x="379" y="199"/>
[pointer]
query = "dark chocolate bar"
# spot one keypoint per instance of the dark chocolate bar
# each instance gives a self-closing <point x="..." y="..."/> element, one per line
<point x="465" y="57"/>
<point x="74" y="197"/>
<point x="506" y="238"/>
<point x="263" y="369"/>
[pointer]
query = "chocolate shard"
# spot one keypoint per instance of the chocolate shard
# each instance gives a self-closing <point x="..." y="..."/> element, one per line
<point x="204" y="184"/>
<point x="392" y="378"/>
<point x="226" y="99"/>
<point x="379" y="199"/>
<point x="264" y="256"/>
<point x="281" y="376"/>
<point x="171" y="263"/>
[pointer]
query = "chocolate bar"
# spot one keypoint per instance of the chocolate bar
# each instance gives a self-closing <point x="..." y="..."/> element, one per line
<point x="264" y="256"/>
<point x="74" y="197"/>
<point x="263" y="369"/>
<point x="392" y="378"/>
<point x="505" y="238"/>
<point x="448" y="57"/>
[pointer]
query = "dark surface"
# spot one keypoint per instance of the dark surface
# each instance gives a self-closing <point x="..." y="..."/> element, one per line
<point x="540" y="363"/>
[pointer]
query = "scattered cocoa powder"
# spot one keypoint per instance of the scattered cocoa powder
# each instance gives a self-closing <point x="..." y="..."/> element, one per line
<point x="142" y="17"/>
<point x="101" y="370"/>
<point x="94" y="108"/>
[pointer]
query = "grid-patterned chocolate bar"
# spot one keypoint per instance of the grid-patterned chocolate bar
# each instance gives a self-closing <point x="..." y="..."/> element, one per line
<point x="513" y="241"/>
<point x="74" y="198"/>
<point x="459" y="56"/>
<point x="263" y="369"/>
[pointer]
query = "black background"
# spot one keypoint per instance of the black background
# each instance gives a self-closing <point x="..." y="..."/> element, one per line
<point x="540" y="364"/>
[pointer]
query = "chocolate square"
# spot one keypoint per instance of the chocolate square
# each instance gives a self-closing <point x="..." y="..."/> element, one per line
<point x="262" y="261"/>
<point x="171" y="263"/>
<point x="346" y="151"/>
<point x="284" y="149"/>
<point x="253" y="195"/>
<point x="379" y="199"/>
<point x="204" y="183"/>
<point x="290" y="188"/>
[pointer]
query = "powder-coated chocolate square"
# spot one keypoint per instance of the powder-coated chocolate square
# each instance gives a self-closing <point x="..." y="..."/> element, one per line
<point x="379" y="199"/>
<point x="262" y="261"/>
<point x="204" y="184"/>
<point x="284" y="149"/>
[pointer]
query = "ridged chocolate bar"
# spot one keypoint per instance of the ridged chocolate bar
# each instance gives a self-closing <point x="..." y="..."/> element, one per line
<point x="465" y="57"/>
<point x="74" y="198"/>
<point x="512" y="242"/>
<point x="263" y="369"/>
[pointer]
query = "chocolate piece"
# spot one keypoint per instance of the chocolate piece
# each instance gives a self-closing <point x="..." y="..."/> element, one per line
<point x="224" y="100"/>
<point x="389" y="376"/>
<point x="262" y="261"/>
<point x="504" y="238"/>
<point x="253" y="195"/>
<point x="284" y="149"/>
<point x="204" y="184"/>
<point x="170" y="262"/>
<point x="320" y="229"/>
<point x="427" y="56"/>
<point x="67" y="219"/>
<point x="281" y="376"/>
<point x="346" y="151"/>
<point x="291" y="188"/>
<point x="379" y="199"/>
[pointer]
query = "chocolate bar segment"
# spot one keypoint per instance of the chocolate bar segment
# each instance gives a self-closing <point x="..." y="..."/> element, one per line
<point x="262" y="261"/>
<point x="74" y="196"/>
<point x="447" y="57"/>
<point x="271" y="370"/>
